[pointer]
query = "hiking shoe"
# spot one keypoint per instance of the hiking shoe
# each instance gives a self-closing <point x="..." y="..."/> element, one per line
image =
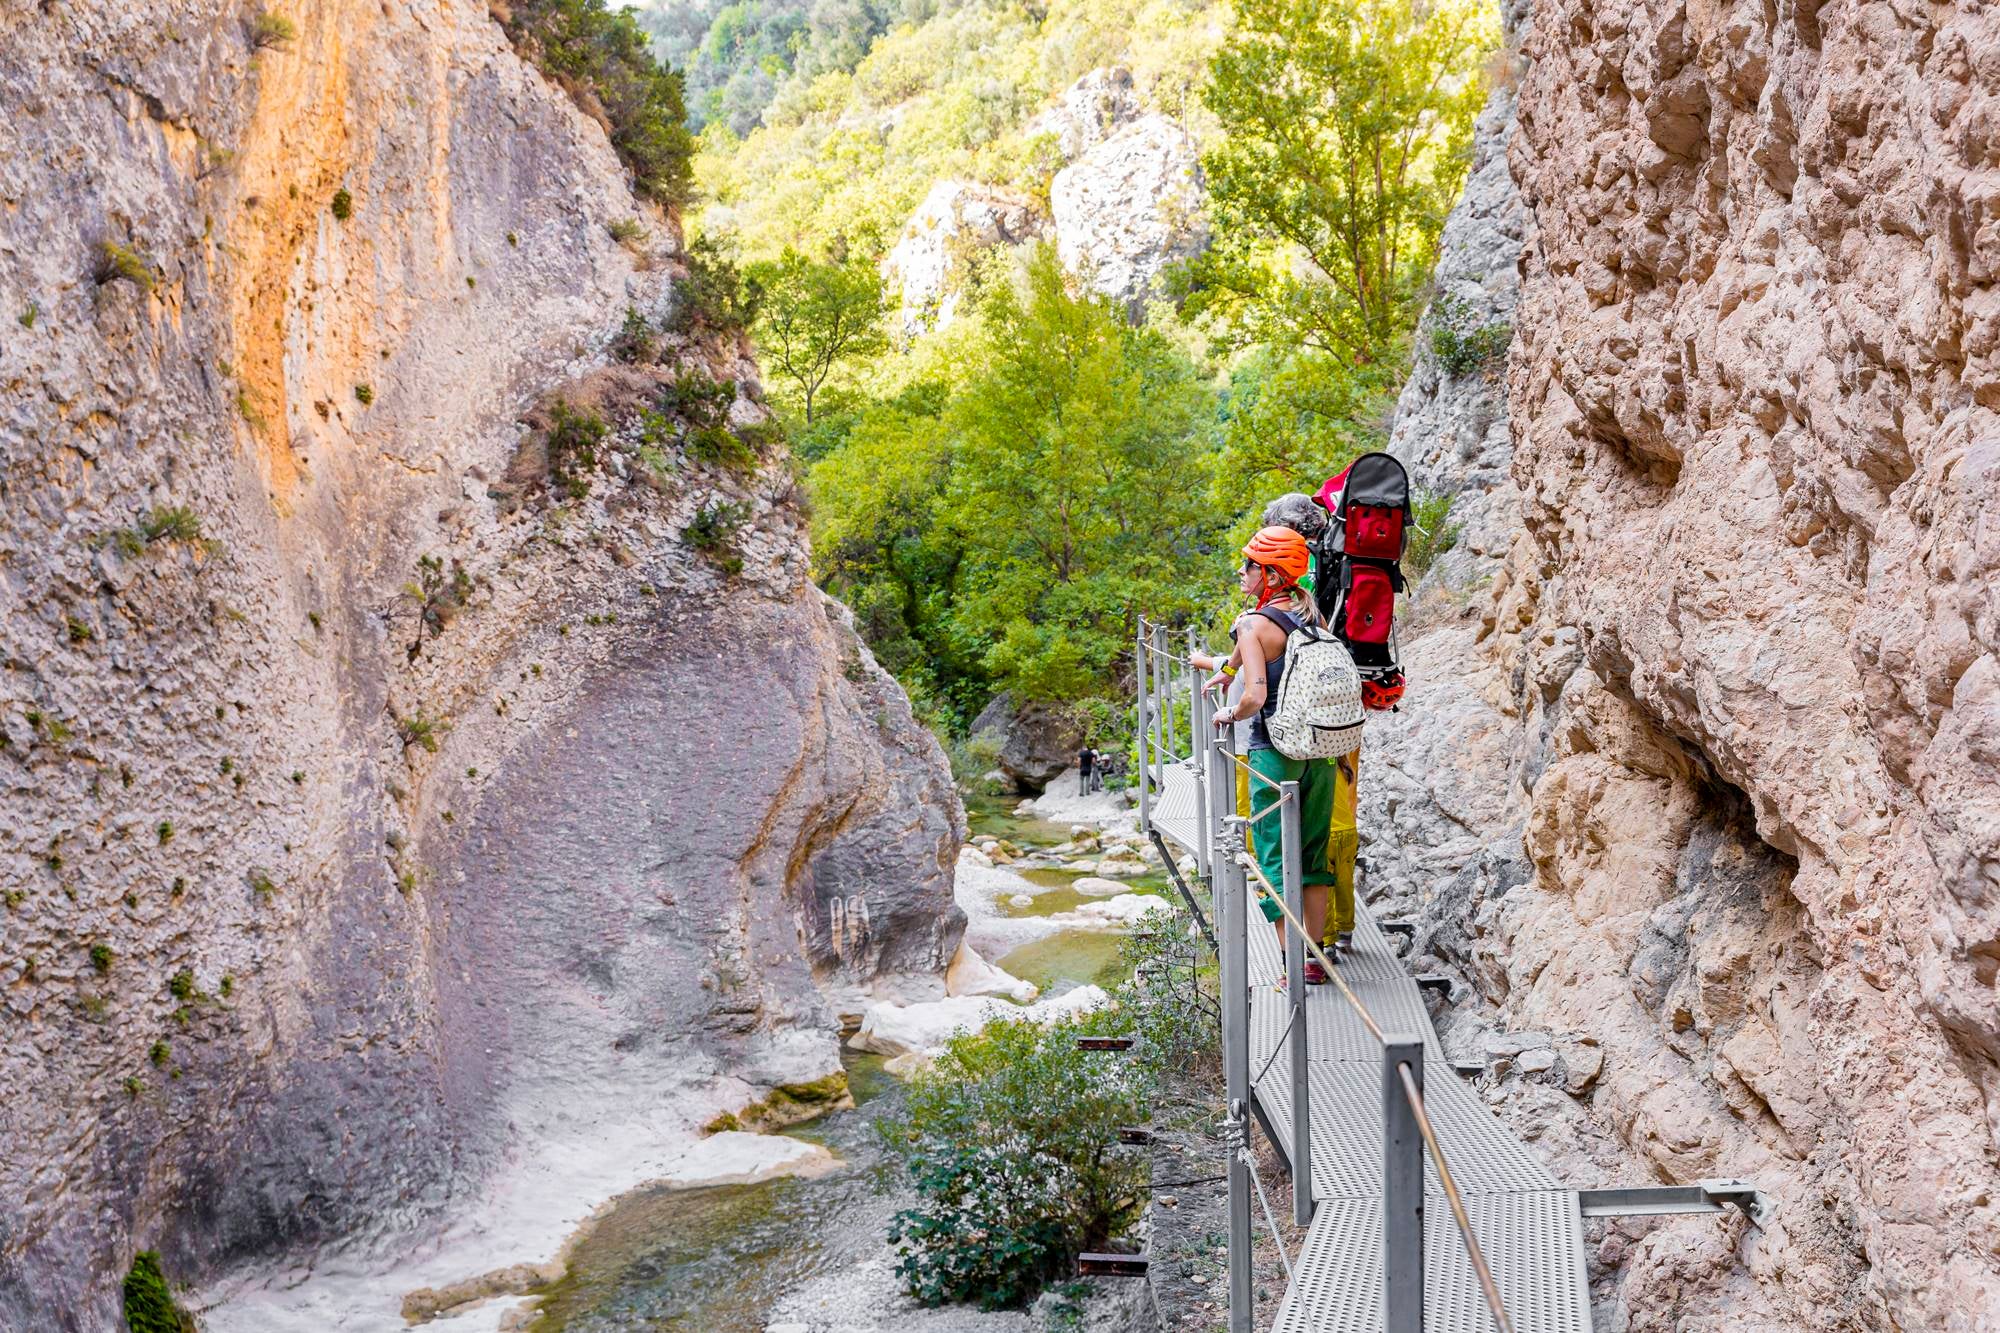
<point x="1344" y="941"/>
<point x="1315" y="974"/>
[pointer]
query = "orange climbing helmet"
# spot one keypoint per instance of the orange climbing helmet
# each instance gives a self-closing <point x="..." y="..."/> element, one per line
<point x="1280" y="549"/>
<point x="1379" y="694"/>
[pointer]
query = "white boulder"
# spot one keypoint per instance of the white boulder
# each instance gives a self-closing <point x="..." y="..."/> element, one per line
<point x="899" y="1029"/>
<point x="969" y="974"/>
<point x="1091" y="886"/>
<point x="1111" y="913"/>
<point x="736" y="1158"/>
<point x="956" y="220"/>
<point x="922" y="1029"/>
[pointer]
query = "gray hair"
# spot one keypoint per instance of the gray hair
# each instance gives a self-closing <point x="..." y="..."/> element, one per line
<point x="1299" y="512"/>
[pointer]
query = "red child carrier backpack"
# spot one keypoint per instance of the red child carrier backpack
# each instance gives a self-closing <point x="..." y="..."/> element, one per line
<point x="1361" y="571"/>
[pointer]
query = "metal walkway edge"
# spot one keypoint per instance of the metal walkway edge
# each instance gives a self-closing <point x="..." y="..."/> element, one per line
<point x="1529" y="1227"/>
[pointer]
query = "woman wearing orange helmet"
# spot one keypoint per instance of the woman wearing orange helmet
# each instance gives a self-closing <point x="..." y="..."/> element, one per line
<point x="1274" y="562"/>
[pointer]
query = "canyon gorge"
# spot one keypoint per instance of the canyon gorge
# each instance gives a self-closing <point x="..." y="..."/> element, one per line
<point x="393" y="799"/>
<point x="375" y="823"/>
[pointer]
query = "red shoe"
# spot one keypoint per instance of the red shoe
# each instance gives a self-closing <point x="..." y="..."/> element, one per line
<point x="1315" y="974"/>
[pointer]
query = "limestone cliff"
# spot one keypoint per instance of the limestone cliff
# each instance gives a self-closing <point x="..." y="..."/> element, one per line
<point x="384" y="796"/>
<point x="1716" y="755"/>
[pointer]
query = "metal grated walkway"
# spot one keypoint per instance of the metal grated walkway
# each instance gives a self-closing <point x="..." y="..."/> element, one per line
<point x="1529" y="1226"/>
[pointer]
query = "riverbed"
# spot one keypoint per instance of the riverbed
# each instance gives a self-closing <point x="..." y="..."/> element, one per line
<point x="804" y="1254"/>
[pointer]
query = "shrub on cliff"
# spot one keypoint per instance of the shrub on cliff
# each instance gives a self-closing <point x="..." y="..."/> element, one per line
<point x="1435" y="532"/>
<point x="603" y="60"/>
<point x="574" y="438"/>
<point x="149" y="1304"/>
<point x="1011" y="1142"/>
<point x="1460" y="342"/>
<point x="715" y="295"/>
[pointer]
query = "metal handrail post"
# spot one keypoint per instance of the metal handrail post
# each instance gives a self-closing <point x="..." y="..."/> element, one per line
<point x="1231" y="904"/>
<point x="1199" y="728"/>
<point x="1162" y="703"/>
<point x="1300" y="1151"/>
<point x="1402" y="1189"/>
<point x="1140" y="666"/>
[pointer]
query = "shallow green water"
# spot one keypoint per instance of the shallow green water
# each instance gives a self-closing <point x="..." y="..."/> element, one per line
<point x="714" y="1259"/>
<point x="994" y="815"/>
<point x="1068" y="958"/>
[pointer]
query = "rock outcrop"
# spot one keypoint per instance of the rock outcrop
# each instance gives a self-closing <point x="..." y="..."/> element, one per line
<point x="932" y="262"/>
<point x="1712" y="795"/>
<point x="385" y="796"/>
<point x="1089" y="111"/>
<point x="1035" y="741"/>
<point x="1128" y="207"/>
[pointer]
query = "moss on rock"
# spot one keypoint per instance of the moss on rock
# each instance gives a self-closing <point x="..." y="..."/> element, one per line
<point x="788" y="1104"/>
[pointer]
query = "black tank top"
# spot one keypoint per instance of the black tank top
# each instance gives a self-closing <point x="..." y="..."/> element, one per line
<point x="1274" y="671"/>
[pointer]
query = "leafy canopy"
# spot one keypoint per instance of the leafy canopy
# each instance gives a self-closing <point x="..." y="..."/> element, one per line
<point x="1079" y="487"/>
<point x="1348" y="126"/>
<point x="995" y="529"/>
<point x="814" y="317"/>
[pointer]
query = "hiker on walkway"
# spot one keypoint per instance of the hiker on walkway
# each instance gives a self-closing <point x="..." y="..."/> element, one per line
<point x="1304" y="515"/>
<point x="1083" y="768"/>
<point x="1273" y="564"/>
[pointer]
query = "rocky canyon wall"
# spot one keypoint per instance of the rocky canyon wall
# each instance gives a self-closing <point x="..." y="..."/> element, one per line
<point x="332" y="877"/>
<point x="1701" y="791"/>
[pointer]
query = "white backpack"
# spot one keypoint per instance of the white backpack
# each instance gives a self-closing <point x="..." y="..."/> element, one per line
<point x="1318" y="714"/>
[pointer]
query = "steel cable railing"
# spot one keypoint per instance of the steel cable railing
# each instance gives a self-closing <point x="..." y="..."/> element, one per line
<point x="1164" y="706"/>
<point x="1489" y="1288"/>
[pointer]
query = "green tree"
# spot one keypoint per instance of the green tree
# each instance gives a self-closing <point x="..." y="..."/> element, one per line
<point x="1293" y="417"/>
<point x="815" y="316"/>
<point x="1079" y="489"/>
<point x="998" y="529"/>
<point x="1348" y="123"/>
<point x="1011" y="1143"/>
<point x="878" y="546"/>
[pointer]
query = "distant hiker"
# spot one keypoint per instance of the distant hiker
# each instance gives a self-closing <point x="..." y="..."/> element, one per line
<point x="1084" y="758"/>
<point x="1099" y="761"/>
<point x="1273" y="564"/>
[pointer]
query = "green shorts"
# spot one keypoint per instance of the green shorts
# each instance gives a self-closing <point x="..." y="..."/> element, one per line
<point x="1269" y="907"/>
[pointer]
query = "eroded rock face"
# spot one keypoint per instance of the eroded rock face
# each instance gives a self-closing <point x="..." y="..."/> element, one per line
<point x="1089" y="111"/>
<point x="1729" y="702"/>
<point x="322" y="896"/>
<point x="932" y="261"/>
<point x="1758" y="449"/>
<point x="1130" y="206"/>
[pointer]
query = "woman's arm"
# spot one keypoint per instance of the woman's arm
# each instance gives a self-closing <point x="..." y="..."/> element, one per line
<point x="1250" y="645"/>
<point x="1223" y="669"/>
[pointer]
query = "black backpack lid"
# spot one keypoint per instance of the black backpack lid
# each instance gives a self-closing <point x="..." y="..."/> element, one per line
<point x="1376" y="479"/>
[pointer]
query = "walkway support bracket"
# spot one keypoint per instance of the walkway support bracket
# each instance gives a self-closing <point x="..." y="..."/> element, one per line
<point x="1141" y="665"/>
<point x="1704" y="1196"/>
<point x="1402" y="1188"/>
<point x="1187" y="894"/>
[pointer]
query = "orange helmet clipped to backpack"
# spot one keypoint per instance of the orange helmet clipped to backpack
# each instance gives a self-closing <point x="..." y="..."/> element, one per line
<point x="1384" y="693"/>
<point x="1281" y="549"/>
